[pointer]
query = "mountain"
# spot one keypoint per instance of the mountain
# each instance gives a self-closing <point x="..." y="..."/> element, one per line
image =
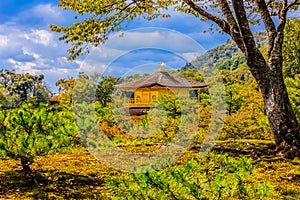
<point x="224" y="56"/>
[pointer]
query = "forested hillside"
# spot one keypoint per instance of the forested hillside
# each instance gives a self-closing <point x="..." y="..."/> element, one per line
<point x="224" y="56"/>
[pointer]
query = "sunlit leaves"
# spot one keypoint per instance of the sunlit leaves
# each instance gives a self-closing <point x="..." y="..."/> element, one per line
<point x="18" y="88"/>
<point x="291" y="48"/>
<point x="31" y="131"/>
<point x="212" y="177"/>
<point x="105" y="89"/>
<point x="293" y="86"/>
<point x="65" y="91"/>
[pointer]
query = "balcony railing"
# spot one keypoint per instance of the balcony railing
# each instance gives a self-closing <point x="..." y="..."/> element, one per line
<point x="130" y="102"/>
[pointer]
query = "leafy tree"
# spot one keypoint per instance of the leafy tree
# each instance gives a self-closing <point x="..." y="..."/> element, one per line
<point x="85" y="88"/>
<point x="191" y="74"/>
<point x="19" y="88"/>
<point x="232" y="17"/>
<point x="65" y="90"/>
<point x="235" y="80"/>
<point x="30" y="131"/>
<point x="71" y="90"/>
<point x="104" y="90"/>
<point x="291" y="48"/>
<point x="293" y="85"/>
<point x="212" y="177"/>
<point x="247" y="118"/>
<point x="3" y="96"/>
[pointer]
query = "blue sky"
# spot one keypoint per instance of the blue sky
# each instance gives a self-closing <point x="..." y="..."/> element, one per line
<point x="27" y="44"/>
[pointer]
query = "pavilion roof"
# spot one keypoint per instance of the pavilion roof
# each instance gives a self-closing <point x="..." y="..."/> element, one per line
<point x="160" y="78"/>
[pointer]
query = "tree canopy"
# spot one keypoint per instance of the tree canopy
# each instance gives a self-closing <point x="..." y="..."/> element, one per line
<point x="103" y="18"/>
<point x="291" y="48"/>
<point x="17" y="88"/>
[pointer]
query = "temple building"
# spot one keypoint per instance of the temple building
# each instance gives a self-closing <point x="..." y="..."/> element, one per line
<point x="145" y="90"/>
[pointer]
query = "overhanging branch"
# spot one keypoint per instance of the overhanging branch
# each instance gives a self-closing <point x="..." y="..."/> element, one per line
<point x="295" y="3"/>
<point x="268" y="22"/>
<point x="263" y="10"/>
<point x="244" y="27"/>
<point x="234" y="31"/>
<point x="220" y="22"/>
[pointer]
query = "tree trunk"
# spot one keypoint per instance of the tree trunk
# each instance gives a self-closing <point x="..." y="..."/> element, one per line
<point x="282" y="119"/>
<point x="25" y="162"/>
<point x="26" y="166"/>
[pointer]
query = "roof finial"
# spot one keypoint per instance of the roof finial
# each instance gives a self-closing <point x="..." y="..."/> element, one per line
<point x="161" y="64"/>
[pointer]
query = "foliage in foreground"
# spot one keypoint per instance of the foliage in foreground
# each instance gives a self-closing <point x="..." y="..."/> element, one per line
<point x="29" y="131"/>
<point x="77" y="174"/>
<point x="212" y="177"/>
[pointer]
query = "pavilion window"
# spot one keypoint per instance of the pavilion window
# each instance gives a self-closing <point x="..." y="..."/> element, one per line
<point x="138" y="99"/>
<point x="153" y="97"/>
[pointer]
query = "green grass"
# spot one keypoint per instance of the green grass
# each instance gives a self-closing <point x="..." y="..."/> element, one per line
<point x="219" y="175"/>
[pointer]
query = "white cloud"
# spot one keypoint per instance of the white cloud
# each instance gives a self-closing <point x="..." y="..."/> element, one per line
<point x="142" y="47"/>
<point x="47" y="11"/>
<point x="42" y="14"/>
<point x="99" y="59"/>
<point x="27" y="52"/>
<point x="34" y="51"/>
<point x="3" y="41"/>
<point x="159" y="38"/>
<point x="43" y="37"/>
<point x="23" y="67"/>
<point x="15" y="38"/>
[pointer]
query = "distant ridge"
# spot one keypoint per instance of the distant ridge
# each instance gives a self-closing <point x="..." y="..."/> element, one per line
<point x="224" y="55"/>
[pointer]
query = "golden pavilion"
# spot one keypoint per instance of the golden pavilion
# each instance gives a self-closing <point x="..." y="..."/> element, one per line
<point x="147" y="89"/>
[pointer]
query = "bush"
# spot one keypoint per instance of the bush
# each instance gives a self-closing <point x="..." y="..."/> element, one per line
<point x="29" y="131"/>
<point x="212" y="177"/>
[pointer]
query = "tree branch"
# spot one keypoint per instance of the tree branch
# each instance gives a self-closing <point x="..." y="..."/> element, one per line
<point x="243" y="25"/>
<point x="275" y="51"/>
<point x="230" y="26"/>
<point x="220" y="22"/>
<point x="263" y="9"/>
<point x="234" y="31"/>
<point x="282" y="16"/>
<point x="269" y="2"/>
<point x="223" y="5"/>
<point x="269" y="24"/>
<point x="296" y="2"/>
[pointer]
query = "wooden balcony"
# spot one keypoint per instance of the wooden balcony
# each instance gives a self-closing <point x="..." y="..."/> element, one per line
<point x="130" y="103"/>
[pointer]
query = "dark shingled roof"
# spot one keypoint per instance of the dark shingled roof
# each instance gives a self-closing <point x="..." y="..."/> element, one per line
<point x="161" y="78"/>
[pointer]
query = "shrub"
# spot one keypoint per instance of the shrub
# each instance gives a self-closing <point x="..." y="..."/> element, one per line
<point x="29" y="131"/>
